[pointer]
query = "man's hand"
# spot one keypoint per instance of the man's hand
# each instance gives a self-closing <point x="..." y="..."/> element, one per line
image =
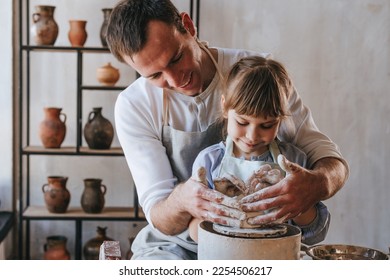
<point x="295" y="194"/>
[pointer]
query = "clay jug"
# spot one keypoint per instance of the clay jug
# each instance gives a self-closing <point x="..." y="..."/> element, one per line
<point x="107" y="75"/>
<point x="103" y="29"/>
<point x="44" y="29"/>
<point x="92" y="198"/>
<point x="55" y="248"/>
<point x="77" y="34"/>
<point x="92" y="247"/>
<point x="52" y="129"/>
<point x="98" y="131"/>
<point x="56" y="195"/>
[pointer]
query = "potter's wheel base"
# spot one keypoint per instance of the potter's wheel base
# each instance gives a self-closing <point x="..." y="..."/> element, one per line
<point x="273" y="230"/>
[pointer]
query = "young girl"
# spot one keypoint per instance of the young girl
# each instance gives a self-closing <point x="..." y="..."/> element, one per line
<point x="253" y="104"/>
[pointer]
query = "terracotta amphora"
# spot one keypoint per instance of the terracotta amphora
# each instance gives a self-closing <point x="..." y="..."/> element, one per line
<point x="56" y="195"/>
<point x="52" y="129"/>
<point x="77" y="34"/>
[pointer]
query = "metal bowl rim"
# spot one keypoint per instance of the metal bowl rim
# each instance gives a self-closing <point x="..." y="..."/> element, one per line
<point x="311" y="253"/>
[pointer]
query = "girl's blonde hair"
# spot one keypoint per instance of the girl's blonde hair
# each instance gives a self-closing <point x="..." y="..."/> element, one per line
<point x="257" y="86"/>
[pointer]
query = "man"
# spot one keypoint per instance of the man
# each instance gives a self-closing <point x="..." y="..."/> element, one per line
<point x="168" y="115"/>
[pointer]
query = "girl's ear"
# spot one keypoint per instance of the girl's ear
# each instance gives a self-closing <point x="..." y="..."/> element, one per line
<point x="224" y="113"/>
<point x="188" y="23"/>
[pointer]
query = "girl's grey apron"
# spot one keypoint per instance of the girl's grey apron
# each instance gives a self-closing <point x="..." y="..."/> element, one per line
<point x="182" y="148"/>
<point x="242" y="168"/>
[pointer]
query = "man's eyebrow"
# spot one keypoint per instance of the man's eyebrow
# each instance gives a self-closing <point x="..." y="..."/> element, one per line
<point x="169" y="62"/>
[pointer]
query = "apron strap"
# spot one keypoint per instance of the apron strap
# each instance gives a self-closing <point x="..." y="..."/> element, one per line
<point x="229" y="146"/>
<point x="165" y="107"/>
<point x="275" y="151"/>
<point x="203" y="46"/>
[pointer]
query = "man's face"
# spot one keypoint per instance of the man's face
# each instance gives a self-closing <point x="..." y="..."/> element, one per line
<point x="170" y="59"/>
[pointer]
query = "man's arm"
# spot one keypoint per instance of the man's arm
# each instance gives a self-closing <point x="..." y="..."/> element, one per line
<point x="298" y="192"/>
<point x="335" y="174"/>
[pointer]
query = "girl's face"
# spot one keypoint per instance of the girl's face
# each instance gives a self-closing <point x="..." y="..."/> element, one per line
<point x="251" y="135"/>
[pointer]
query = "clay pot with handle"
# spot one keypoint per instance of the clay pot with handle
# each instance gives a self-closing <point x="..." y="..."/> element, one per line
<point x="44" y="29"/>
<point x="92" y="198"/>
<point x="56" y="195"/>
<point x="52" y="129"/>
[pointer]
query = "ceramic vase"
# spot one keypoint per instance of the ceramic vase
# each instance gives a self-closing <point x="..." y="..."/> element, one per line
<point x="103" y="29"/>
<point x="55" y="248"/>
<point x="44" y="29"/>
<point x="92" y="247"/>
<point x="107" y="75"/>
<point x="56" y="195"/>
<point x="52" y="129"/>
<point x="92" y="198"/>
<point x="77" y="33"/>
<point x="98" y="131"/>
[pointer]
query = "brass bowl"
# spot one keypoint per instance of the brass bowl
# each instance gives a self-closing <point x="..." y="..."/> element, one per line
<point x="344" y="252"/>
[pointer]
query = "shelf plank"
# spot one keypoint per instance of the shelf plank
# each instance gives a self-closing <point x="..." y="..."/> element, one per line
<point x="77" y="213"/>
<point x="66" y="49"/>
<point x="113" y="88"/>
<point x="39" y="150"/>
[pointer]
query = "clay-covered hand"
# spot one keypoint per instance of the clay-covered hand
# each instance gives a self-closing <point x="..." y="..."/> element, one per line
<point x="286" y="199"/>
<point x="213" y="205"/>
<point x="264" y="177"/>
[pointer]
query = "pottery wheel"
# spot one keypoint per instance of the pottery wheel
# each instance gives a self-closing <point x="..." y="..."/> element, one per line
<point x="265" y="231"/>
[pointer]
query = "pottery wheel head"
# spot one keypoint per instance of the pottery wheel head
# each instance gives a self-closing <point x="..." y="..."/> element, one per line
<point x="273" y="230"/>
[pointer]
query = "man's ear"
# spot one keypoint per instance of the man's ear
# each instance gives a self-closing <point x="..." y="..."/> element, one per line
<point x="188" y="23"/>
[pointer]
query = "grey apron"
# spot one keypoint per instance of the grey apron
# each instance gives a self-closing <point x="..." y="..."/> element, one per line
<point x="181" y="148"/>
<point x="241" y="168"/>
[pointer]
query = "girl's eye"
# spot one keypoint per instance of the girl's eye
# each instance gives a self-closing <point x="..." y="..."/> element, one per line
<point x="268" y="126"/>
<point x="241" y="123"/>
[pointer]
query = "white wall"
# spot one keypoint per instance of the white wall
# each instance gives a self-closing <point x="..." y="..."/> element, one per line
<point x="6" y="106"/>
<point x="339" y="56"/>
<point x="5" y="120"/>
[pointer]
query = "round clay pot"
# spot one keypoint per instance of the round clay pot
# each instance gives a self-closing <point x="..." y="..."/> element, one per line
<point x="55" y="248"/>
<point x="107" y="75"/>
<point x="91" y="248"/>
